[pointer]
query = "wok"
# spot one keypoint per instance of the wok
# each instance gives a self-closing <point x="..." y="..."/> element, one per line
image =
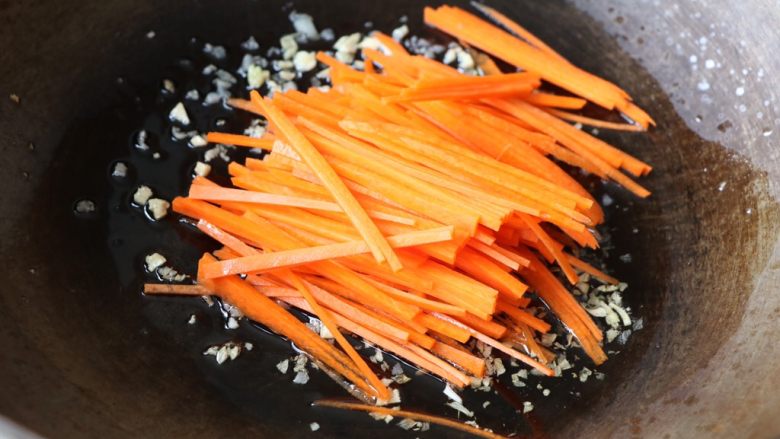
<point x="84" y="355"/>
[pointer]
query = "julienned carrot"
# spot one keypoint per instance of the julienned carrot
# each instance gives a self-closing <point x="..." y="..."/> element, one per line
<point x="176" y="289"/>
<point x="555" y="101"/>
<point x="494" y="254"/>
<point x="523" y="317"/>
<point x="247" y="227"/>
<point x="423" y="303"/>
<point x="450" y="423"/>
<point x="461" y="358"/>
<point x="382" y="392"/>
<point x="591" y="270"/>
<point x="380" y="389"/>
<point x="276" y="260"/>
<point x="263" y="310"/>
<point x="487" y="327"/>
<point x="518" y="30"/>
<point x="379" y="246"/>
<point x="239" y="140"/>
<point x="501" y="347"/>
<point x="411" y="148"/>
<point x="571" y="117"/>
<point x="443" y="327"/>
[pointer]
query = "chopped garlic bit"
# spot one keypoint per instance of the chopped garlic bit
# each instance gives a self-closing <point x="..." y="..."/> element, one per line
<point x="378" y="357"/>
<point x="348" y="43"/>
<point x="327" y="34"/>
<point x="179" y="114"/>
<point x="197" y="141"/>
<point x="220" y="151"/>
<point x="120" y="170"/>
<point x="256" y="129"/>
<point x="232" y="323"/>
<point x="301" y="377"/>
<point x="250" y="44"/>
<point x="140" y="141"/>
<point x="217" y="52"/>
<point x="192" y="320"/>
<point x="517" y="379"/>
<point x="304" y="25"/>
<point x="527" y="406"/>
<point x="158" y="208"/>
<point x="256" y="76"/>
<point x="227" y="351"/>
<point x="168" y="86"/>
<point x="305" y="61"/>
<point x="461" y="408"/>
<point x="286" y="75"/>
<point x="170" y="274"/>
<point x="283" y="365"/>
<point x="314" y="426"/>
<point x="85" y="206"/>
<point x="154" y="261"/>
<point x="142" y="195"/>
<point x="585" y="373"/>
<point x="400" y="32"/>
<point x="371" y="43"/>
<point x="451" y="394"/>
<point x="202" y="169"/>
<point x="289" y="46"/>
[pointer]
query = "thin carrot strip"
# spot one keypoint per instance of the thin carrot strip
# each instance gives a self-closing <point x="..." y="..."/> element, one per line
<point x="455" y="425"/>
<point x="423" y="303"/>
<point x="239" y="140"/>
<point x="276" y="260"/>
<point x="549" y="100"/>
<point x="443" y="327"/>
<point x="518" y="30"/>
<point x="494" y="254"/>
<point x="176" y="290"/>
<point x="500" y="346"/>
<point x="368" y="230"/>
<point x="263" y="310"/>
<point x="524" y="317"/>
<point x="487" y="327"/>
<point x="464" y="360"/>
<point x="593" y="122"/>
<point x="384" y="342"/>
<point x="591" y="270"/>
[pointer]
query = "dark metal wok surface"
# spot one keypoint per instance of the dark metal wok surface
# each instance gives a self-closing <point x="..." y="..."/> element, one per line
<point x="84" y="356"/>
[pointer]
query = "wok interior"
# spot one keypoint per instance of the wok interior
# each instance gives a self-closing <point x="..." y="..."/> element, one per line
<point x="84" y="358"/>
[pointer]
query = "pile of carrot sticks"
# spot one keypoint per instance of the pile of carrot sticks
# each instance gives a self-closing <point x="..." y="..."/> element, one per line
<point x="416" y="207"/>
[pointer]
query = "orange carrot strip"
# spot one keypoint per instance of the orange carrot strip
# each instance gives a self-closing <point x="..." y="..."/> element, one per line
<point x="549" y="100"/>
<point x="287" y="258"/>
<point x="239" y="140"/>
<point x="263" y="310"/>
<point x="487" y="327"/>
<point x="591" y="121"/>
<point x="445" y="422"/>
<point x="176" y="290"/>
<point x="464" y="360"/>
<point x="494" y="254"/>
<point x="423" y="303"/>
<point x="524" y="317"/>
<point x="484" y="270"/>
<point x="443" y="327"/>
<point x="360" y="219"/>
<point x="591" y="270"/>
<point x="500" y="346"/>
<point x="518" y="30"/>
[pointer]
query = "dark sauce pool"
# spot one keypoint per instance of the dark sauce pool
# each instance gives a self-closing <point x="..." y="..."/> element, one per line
<point x="118" y="236"/>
